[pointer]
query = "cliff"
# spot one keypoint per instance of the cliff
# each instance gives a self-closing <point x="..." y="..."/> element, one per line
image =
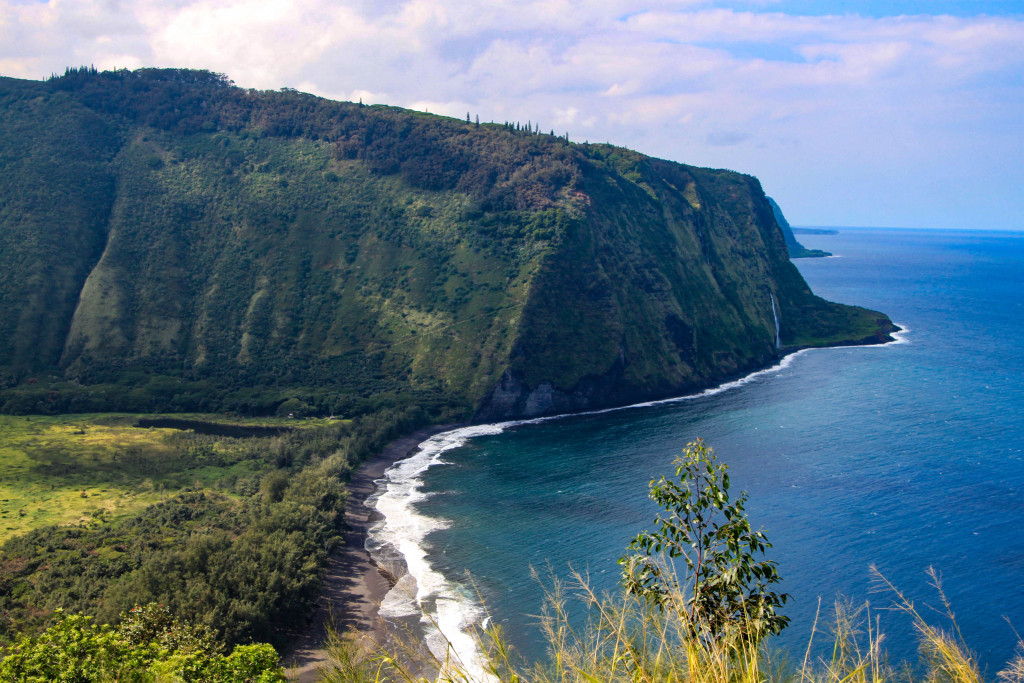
<point x="796" y="250"/>
<point x="171" y="242"/>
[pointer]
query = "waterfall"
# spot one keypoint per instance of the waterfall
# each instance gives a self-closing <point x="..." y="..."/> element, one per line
<point x="775" y="315"/>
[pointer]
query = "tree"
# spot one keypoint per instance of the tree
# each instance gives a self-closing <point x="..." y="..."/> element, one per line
<point x="295" y="407"/>
<point x="725" y="587"/>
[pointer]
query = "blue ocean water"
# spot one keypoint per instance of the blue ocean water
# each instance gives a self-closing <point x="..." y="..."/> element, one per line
<point x="903" y="457"/>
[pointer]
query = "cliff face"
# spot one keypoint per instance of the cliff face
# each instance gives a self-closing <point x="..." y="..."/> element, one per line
<point x="168" y="241"/>
<point x="796" y="250"/>
<point x="680" y="279"/>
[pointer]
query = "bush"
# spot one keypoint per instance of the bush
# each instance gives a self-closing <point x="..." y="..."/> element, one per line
<point x="149" y="645"/>
<point x="725" y="584"/>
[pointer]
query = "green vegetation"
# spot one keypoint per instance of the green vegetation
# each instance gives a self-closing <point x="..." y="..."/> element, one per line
<point x="726" y="583"/>
<point x="149" y="645"/>
<point x="171" y="243"/>
<point x="711" y="623"/>
<point x="242" y="557"/>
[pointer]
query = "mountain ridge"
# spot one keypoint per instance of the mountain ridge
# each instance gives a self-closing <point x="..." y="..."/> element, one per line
<point x="172" y="242"/>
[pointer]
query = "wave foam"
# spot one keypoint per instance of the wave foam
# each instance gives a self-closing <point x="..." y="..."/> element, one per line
<point x="448" y="615"/>
<point x="447" y="611"/>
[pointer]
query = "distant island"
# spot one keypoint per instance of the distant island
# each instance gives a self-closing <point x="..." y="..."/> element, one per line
<point x="814" y="231"/>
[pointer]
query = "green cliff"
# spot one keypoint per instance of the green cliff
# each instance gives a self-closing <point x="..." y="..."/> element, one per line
<point x="171" y="242"/>
<point x="796" y="250"/>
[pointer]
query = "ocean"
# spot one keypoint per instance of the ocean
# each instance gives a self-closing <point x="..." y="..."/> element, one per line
<point x="902" y="457"/>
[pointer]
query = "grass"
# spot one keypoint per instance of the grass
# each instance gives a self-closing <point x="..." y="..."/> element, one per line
<point x="72" y="469"/>
<point x="629" y="640"/>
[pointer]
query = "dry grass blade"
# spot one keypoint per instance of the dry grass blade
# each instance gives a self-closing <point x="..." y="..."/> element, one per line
<point x="628" y="640"/>
<point x="946" y="656"/>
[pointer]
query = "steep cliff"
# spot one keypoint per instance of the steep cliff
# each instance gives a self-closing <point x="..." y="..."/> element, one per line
<point x="796" y="250"/>
<point x="169" y="241"/>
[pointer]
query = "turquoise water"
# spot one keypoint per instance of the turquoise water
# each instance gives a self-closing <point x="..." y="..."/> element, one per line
<point x="904" y="456"/>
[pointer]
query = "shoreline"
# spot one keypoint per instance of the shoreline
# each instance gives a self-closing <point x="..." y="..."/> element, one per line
<point x="354" y="585"/>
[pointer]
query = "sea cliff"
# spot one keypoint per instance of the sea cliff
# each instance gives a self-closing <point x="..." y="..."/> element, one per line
<point x="171" y="242"/>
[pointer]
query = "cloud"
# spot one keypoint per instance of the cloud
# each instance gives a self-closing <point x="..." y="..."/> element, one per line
<point x="795" y="99"/>
<point x="726" y="138"/>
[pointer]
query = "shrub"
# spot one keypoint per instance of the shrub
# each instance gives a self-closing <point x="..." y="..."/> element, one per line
<point x="725" y="584"/>
<point x="149" y="645"/>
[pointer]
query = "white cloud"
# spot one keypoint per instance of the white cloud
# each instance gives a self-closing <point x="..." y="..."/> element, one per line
<point x="795" y="99"/>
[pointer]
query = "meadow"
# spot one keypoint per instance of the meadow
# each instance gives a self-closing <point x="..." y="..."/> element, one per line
<point x="228" y="532"/>
<point x="87" y="469"/>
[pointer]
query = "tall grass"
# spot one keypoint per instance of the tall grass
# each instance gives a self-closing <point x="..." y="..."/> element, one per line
<point x="630" y="640"/>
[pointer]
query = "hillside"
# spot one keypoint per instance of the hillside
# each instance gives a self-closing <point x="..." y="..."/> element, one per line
<point x="796" y="250"/>
<point x="171" y="242"/>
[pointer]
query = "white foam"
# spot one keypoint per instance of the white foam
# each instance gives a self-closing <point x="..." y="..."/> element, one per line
<point x="899" y="337"/>
<point x="447" y="610"/>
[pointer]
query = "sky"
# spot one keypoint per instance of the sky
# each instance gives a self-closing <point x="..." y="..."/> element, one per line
<point x="901" y="113"/>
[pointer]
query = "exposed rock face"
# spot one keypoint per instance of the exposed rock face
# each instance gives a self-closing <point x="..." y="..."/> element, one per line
<point x="513" y="399"/>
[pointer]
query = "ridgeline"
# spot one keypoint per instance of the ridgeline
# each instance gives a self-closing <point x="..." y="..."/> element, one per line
<point x="170" y="242"/>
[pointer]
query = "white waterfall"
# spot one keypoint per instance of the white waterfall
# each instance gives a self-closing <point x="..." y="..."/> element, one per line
<point x="775" y="315"/>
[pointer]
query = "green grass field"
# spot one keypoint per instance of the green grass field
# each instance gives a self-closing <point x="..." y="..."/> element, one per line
<point x="74" y="469"/>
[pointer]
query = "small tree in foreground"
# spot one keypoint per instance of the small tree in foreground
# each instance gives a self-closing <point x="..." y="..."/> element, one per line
<point x="704" y="625"/>
<point x="725" y="586"/>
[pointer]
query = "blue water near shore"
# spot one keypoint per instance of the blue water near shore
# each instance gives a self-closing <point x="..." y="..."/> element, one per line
<point x="904" y="456"/>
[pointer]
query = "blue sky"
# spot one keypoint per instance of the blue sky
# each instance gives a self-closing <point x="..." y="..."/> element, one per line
<point x="903" y="113"/>
<point x="886" y="8"/>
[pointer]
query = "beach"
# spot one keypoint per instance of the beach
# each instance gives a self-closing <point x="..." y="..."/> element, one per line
<point x="354" y="585"/>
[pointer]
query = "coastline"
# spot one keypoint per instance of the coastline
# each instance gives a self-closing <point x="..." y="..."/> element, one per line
<point x="354" y="585"/>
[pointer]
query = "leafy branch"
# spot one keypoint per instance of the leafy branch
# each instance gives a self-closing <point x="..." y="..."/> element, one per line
<point x="726" y="586"/>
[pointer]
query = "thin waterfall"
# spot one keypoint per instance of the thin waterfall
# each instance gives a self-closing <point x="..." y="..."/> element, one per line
<point x="775" y="315"/>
